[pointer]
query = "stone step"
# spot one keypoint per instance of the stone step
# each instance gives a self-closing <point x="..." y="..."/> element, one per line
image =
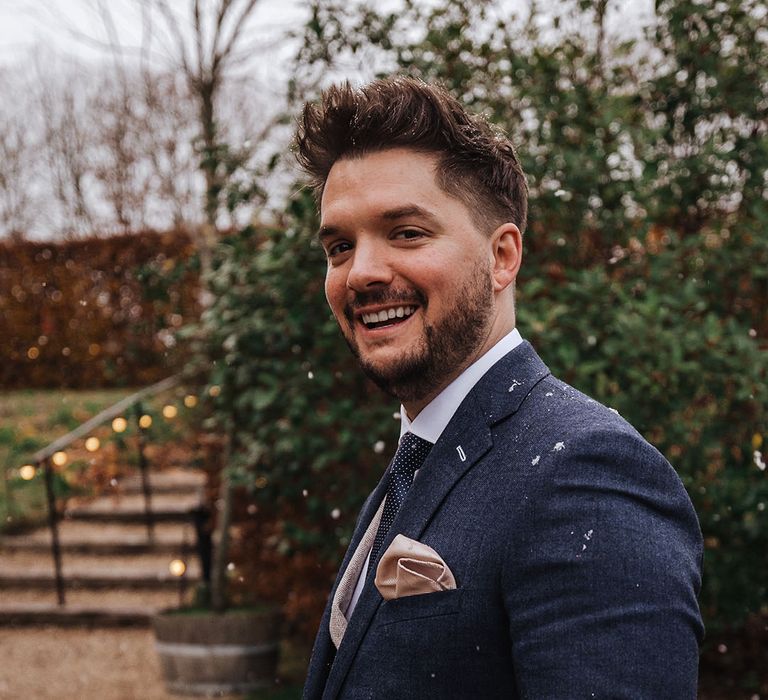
<point x="105" y="598"/>
<point x="73" y="616"/>
<point x="42" y="581"/>
<point x="166" y="515"/>
<point x="175" y="481"/>
<point x="133" y="503"/>
<point x="21" y="563"/>
<point x="83" y="533"/>
<point x="18" y="544"/>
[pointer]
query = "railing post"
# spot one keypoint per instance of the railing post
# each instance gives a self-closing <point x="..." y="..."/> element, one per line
<point x="143" y="467"/>
<point x="53" y="524"/>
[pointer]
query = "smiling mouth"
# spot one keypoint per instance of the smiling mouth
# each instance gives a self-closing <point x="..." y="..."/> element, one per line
<point x="387" y="317"/>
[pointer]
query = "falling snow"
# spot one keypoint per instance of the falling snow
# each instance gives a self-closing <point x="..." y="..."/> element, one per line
<point x="535" y="460"/>
<point x="758" y="457"/>
<point x="558" y="447"/>
<point x="514" y="384"/>
<point x="549" y="393"/>
<point x="378" y="446"/>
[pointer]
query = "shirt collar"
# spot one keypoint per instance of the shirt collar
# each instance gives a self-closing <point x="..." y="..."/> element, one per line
<point x="435" y="416"/>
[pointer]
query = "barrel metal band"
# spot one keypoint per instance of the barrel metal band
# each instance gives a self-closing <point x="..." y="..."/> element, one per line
<point x="198" y="650"/>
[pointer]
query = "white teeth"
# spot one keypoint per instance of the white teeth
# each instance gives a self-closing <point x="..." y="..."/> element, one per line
<point x="386" y="315"/>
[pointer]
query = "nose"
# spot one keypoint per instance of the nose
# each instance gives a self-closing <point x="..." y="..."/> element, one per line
<point x="370" y="267"/>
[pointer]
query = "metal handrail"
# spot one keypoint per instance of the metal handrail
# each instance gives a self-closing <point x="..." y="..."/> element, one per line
<point x="42" y="458"/>
<point x="107" y="414"/>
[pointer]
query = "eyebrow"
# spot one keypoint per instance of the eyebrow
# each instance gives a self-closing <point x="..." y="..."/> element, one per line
<point x="387" y="215"/>
<point x="406" y="211"/>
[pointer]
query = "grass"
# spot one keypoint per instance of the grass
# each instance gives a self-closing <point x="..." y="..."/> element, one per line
<point x="30" y="420"/>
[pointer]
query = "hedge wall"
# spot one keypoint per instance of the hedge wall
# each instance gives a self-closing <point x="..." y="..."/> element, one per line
<point x="95" y="312"/>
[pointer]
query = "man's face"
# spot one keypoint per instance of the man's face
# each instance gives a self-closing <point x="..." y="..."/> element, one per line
<point x="409" y="273"/>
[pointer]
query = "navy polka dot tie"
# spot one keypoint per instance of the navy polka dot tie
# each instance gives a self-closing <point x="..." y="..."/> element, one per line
<point x="409" y="457"/>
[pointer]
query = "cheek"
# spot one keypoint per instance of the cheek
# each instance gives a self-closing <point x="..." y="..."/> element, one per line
<point x="335" y="289"/>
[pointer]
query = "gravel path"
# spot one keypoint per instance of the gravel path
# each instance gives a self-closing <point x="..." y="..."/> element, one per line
<point x="78" y="664"/>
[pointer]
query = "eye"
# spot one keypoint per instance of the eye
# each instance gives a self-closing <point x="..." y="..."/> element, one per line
<point x="409" y="234"/>
<point x="338" y="248"/>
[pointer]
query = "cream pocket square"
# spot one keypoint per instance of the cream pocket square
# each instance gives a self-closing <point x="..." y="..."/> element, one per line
<point x="409" y="567"/>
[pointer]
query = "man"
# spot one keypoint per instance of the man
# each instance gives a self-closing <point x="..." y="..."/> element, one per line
<point x="542" y="549"/>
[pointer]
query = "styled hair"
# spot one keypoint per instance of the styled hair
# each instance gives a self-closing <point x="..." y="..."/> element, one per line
<point x="476" y="161"/>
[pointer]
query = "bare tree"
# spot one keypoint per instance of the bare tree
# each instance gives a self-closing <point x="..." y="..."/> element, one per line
<point x="168" y="125"/>
<point x="66" y="141"/>
<point x="18" y="153"/>
<point x="205" y="56"/>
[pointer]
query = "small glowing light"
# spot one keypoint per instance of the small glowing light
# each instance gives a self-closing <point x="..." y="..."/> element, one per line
<point x="177" y="567"/>
<point x="145" y="421"/>
<point x="170" y="411"/>
<point x="119" y="424"/>
<point x="335" y="513"/>
<point x="378" y="446"/>
<point x="27" y="472"/>
<point x="59" y="458"/>
<point x="92" y="444"/>
<point x="231" y="566"/>
<point x="190" y="401"/>
<point x="215" y="390"/>
<point x="33" y="353"/>
<point x="260" y="482"/>
<point x="94" y="349"/>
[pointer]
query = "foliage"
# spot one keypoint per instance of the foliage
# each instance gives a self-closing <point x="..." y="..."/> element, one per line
<point x="94" y="312"/>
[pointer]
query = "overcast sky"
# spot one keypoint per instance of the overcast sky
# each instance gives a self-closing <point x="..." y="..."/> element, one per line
<point x="74" y="27"/>
<point x="71" y="26"/>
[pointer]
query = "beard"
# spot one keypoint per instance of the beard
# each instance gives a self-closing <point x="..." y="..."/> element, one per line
<point x="445" y="347"/>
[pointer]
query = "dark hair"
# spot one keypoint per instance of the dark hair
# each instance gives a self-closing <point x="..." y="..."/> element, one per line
<point x="477" y="163"/>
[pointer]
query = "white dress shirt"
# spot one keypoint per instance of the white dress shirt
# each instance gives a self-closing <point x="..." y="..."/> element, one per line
<point x="435" y="416"/>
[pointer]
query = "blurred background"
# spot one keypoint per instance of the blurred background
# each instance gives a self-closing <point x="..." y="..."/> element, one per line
<point x="153" y="224"/>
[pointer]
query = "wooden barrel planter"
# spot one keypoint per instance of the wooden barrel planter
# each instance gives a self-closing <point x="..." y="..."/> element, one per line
<point x="210" y="654"/>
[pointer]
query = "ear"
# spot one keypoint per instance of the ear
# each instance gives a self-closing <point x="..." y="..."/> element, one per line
<point x="507" y="250"/>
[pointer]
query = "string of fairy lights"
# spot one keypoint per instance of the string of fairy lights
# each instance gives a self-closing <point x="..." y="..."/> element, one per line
<point x="176" y="567"/>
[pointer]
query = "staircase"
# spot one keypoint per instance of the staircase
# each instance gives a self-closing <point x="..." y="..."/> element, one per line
<point x="114" y="573"/>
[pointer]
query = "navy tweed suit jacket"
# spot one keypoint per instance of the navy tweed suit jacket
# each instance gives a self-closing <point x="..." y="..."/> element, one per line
<point x="576" y="553"/>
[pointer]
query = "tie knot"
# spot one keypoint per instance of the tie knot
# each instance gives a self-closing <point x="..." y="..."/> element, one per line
<point x="411" y="454"/>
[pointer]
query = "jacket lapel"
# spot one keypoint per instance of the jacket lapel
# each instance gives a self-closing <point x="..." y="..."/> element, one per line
<point x="464" y="441"/>
<point x="324" y="650"/>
